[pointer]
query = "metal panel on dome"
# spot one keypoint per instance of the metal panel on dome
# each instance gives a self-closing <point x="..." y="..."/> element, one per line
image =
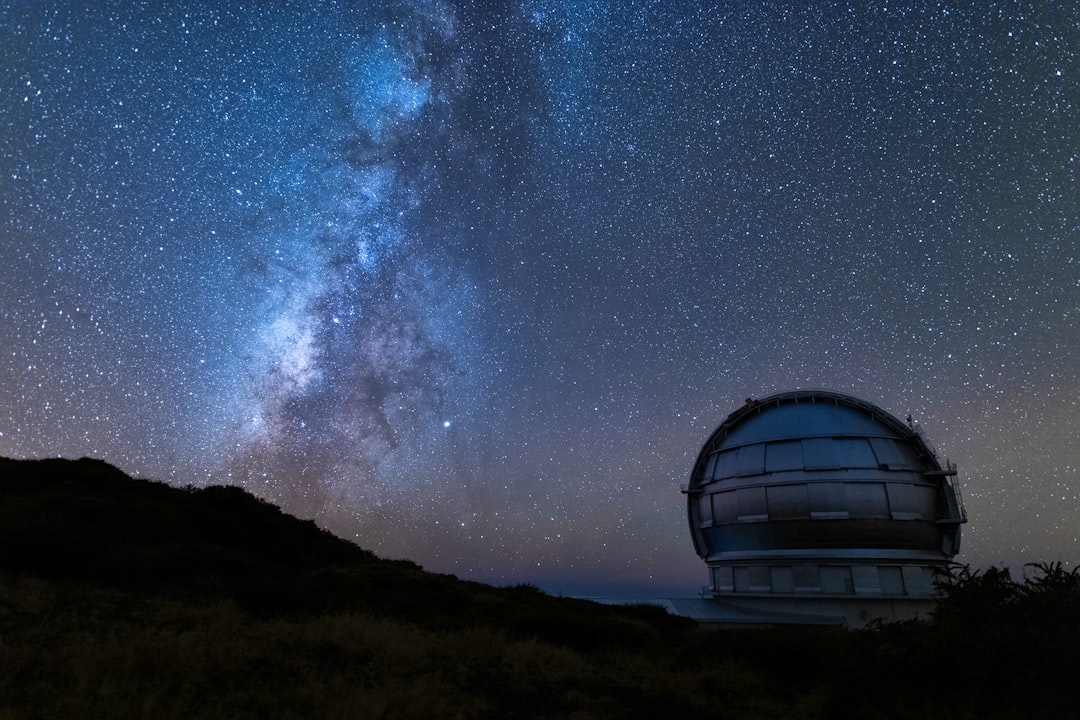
<point x="725" y="465"/>
<point x="725" y="506"/>
<point x="828" y="500"/>
<point x="784" y="456"/>
<point x="909" y="501"/>
<point x="710" y="468"/>
<point x="820" y="454"/>
<point x="752" y="504"/>
<point x="867" y="499"/>
<point x="804" y="419"/>
<point x="891" y="455"/>
<point x="751" y="460"/>
<point x="787" y="501"/>
<point x="856" y="452"/>
<point x="705" y="512"/>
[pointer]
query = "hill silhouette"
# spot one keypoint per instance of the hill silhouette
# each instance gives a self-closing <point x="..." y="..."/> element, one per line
<point x="131" y="598"/>
<point x="86" y="521"/>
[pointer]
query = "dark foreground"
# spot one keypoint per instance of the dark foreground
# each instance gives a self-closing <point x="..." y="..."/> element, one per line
<point x="124" y="598"/>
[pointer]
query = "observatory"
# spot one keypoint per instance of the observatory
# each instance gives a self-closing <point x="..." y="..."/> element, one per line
<point x="815" y="506"/>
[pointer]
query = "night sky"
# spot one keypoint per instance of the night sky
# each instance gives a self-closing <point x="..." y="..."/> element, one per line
<point x="470" y="283"/>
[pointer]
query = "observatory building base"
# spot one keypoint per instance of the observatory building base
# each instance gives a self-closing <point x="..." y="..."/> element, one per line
<point x="767" y="611"/>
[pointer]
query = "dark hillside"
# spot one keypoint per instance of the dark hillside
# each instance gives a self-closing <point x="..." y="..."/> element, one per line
<point x="86" y="521"/>
<point x="124" y="598"/>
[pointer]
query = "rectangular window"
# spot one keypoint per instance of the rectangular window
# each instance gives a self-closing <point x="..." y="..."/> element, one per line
<point x="783" y="579"/>
<point x="866" y="580"/>
<point x="788" y="501"/>
<point x="751" y="460"/>
<point x="867" y="499"/>
<point x="836" y="580"/>
<point x="892" y="580"/>
<point x="752" y="505"/>
<point x="723" y="579"/>
<point x="742" y="579"/>
<point x="783" y="456"/>
<point x="760" y="580"/>
<point x="820" y="454"/>
<point x="807" y="578"/>
<point x="918" y="580"/>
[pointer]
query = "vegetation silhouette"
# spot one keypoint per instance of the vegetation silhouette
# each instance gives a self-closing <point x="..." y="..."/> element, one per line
<point x="131" y="598"/>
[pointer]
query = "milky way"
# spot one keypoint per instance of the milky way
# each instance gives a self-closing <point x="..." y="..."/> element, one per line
<point x="470" y="283"/>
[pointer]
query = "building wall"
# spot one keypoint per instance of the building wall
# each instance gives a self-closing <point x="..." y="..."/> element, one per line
<point x="864" y="579"/>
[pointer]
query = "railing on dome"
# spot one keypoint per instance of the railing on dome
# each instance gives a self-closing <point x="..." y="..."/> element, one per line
<point x="954" y="486"/>
<point x="953" y="499"/>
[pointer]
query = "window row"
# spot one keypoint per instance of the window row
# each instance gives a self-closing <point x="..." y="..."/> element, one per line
<point x="810" y="454"/>
<point x="820" y="500"/>
<point x="893" y="580"/>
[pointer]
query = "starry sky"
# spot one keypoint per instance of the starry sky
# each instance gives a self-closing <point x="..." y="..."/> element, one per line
<point x="470" y="283"/>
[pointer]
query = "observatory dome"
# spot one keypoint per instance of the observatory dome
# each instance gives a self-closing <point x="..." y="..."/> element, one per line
<point x="810" y="499"/>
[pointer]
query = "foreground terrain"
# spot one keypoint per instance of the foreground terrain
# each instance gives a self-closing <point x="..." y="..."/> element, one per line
<point x="132" y="599"/>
